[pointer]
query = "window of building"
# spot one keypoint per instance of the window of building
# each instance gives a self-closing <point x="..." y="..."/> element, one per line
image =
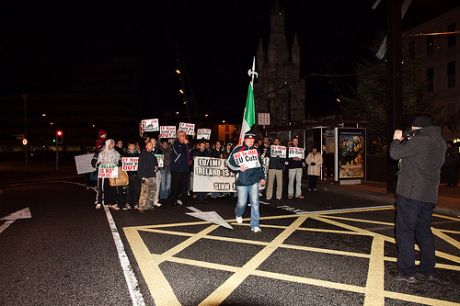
<point x="451" y="39"/>
<point x="451" y="74"/>
<point x="430" y="79"/>
<point x="411" y="49"/>
<point x="429" y="45"/>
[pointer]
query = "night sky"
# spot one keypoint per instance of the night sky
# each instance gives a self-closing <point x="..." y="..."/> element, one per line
<point x="215" y="39"/>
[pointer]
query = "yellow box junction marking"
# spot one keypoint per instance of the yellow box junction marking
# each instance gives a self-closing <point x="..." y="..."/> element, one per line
<point x="374" y="292"/>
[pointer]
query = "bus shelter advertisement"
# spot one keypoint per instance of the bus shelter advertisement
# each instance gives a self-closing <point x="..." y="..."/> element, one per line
<point x="350" y="155"/>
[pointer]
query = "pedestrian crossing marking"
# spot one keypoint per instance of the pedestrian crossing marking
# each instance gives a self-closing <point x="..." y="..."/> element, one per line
<point x="374" y="292"/>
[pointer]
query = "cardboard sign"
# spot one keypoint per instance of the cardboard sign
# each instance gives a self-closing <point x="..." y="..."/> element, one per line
<point x="129" y="163"/>
<point x="263" y="118"/>
<point x="160" y="160"/>
<point x="278" y="151"/>
<point x="150" y="125"/>
<point x="107" y="171"/>
<point x="249" y="158"/>
<point x="188" y="128"/>
<point x="83" y="163"/>
<point x="296" y="152"/>
<point x="167" y="131"/>
<point x="212" y="175"/>
<point x="203" y="134"/>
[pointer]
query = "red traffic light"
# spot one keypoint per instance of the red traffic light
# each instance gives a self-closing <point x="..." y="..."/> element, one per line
<point x="59" y="133"/>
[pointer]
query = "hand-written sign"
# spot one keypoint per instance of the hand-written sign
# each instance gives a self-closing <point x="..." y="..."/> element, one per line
<point x="150" y="125"/>
<point x="278" y="151"/>
<point x="296" y="152"/>
<point x="188" y="128"/>
<point x="107" y="171"/>
<point x="129" y="163"/>
<point x="168" y="131"/>
<point x="212" y="175"/>
<point x="160" y="160"/>
<point x="249" y="158"/>
<point x="203" y="134"/>
<point x="83" y="163"/>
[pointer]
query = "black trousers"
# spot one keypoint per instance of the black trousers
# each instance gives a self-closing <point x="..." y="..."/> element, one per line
<point x="179" y="186"/>
<point x="312" y="179"/>
<point x="134" y="190"/>
<point x="413" y="218"/>
<point x="106" y="195"/>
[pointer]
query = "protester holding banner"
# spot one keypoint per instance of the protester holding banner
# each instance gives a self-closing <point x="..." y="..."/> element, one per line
<point x="156" y="152"/>
<point x="265" y="146"/>
<point x="147" y="170"/>
<point x="107" y="163"/>
<point x="245" y="161"/>
<point x="277" y="155"/>
<point x="132" y="197"/>
<point x="180" y="163"/>
<point x="295" y="165"/>
<point x="165" y="186"/>
<point x="314" y="161"/>
<point x="201" y="152"/>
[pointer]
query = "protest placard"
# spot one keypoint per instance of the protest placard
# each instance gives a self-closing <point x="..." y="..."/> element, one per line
<point x="188" y="128"/>
<point x="212" y="175"/>
<point x="83" y="163"/>
<point x="249" y="158"/>
<point x="129" y="163"/>
<point x="167" y="131"/>
<point x="107" y="171"/>
<point x="160" y="160"/>
<point x="203" y="134"/>
<point x="296" y="152"/>
<point x="150" y="125"/>
<point x="278" y="151"/>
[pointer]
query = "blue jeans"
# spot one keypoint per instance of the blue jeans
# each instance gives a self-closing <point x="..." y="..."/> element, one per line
<point x="165" y="185"/>
<point x="413" y="218"/>
<point x="253" y="192"/>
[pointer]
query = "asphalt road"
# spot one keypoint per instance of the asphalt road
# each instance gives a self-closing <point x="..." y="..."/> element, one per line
<point x="66" y="254"/>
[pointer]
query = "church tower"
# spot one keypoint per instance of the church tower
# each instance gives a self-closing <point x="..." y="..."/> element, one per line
<point x="279" y="90"/>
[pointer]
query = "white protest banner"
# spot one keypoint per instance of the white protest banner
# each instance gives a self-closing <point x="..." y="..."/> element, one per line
<point x="203" y="134"/>
<point x="83" y="163"/>
<point x="160" y="160"/>
<point x="108" y="171"/>
<point x="278" y="151"/>
<point x="129" y="163"/>
<point x="249" y="158"/>
<point x="212" y="175"/>
<point x="150" y="125"/>
<point x="167" y="131"/>
<point x="188" y="128"/>
<point x="296" y="152"/>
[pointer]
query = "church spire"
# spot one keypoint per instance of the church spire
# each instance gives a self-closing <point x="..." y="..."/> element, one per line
<point x="277" y="41"/>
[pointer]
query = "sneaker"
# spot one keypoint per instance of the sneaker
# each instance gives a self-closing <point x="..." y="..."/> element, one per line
<point x="309" y="189"/>
<point x="98" y="206"/>
<point x="136" y="207"/>
<point x="156" y="204"/>
<point x="115" y="207"/>
<point x="127" y="207"/>
<point x="256" y="229"/>
<point x="300" y="197"/>
<point x="268" y="199"/>
<point x="405" y="278"/>
<point x="315" y="189"/>
<point x="423" y="277"/>
<point x="239" y="220"/>
<point x="290" y="197"/>
<point x="179" y="202"/>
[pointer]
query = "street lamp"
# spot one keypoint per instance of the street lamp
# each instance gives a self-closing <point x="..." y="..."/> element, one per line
<point x="178" y="72"/>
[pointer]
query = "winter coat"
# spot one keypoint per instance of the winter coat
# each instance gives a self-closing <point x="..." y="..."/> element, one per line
<point x="421" y="158"/>
<point x="180" y="157"/>
<point x="108" y="157"/>
<point x="317" y="159"/>
<point x="148" y="165"/>
<point x="250" y="176"/>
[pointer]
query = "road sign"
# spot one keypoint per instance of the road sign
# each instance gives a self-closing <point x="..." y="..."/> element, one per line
<point x="263" y="118"/>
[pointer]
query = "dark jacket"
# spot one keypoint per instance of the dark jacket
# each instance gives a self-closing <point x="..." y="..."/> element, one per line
<point x="167" y="156"/>
<point x="216" y="153"/>
<point x="147" y="165"/>
<point x="250" y="176"/>
<point x="421" y="158"/>
<point x="294" y="164"/>
<point x="276" y="163"/>
<point x="180" y="157"/>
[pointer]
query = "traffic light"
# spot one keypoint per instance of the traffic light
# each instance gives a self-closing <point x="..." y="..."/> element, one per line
<point x="59" y="137"/>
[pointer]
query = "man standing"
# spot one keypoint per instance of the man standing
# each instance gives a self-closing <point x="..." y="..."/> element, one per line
<point x="146" y="170"/>
<point x="245" y="160"/>
<point x="421" y="156"/>
<point x="165" y="188"/>
<point x="275" y="172"/>
<point x="200" y="151"/>
<point x="295" y="173"/>
<point x="180" y="163"/>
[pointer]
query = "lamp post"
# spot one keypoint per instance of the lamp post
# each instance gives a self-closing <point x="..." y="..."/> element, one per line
<point x="26" y="155"/>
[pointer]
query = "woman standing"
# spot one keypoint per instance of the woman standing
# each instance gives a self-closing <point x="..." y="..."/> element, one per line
<point x="107" y="158"/>
<point x="314" y="161"/>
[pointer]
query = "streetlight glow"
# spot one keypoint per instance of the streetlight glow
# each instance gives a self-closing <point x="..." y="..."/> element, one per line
<point x="178" y="71"/>
<point x="181" y="91"/>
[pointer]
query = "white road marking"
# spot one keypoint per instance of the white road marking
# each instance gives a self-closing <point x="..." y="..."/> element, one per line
<point x="5" y="225"/>
<point x="20" y="214"/>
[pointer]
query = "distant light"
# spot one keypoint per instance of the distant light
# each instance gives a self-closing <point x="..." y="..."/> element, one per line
<point x="43" y="115"/>
<point x="185" y="102"/>
<point x="223" y="121"/>
<point x="24" y="141"/>
<point x="181" y="91"/>
<point x="178" y="71"/>
<point x="94" y="125"/>
<point x="177" y="113"/>
<point x="59" y="133"/>
<point x="206" y="115"/>
<point x="51" y="123"/>
<point x="338" y="100"/>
